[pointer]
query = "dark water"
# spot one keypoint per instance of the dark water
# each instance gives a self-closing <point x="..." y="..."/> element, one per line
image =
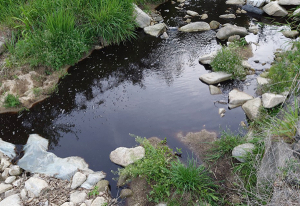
<point x="147" y="86"/>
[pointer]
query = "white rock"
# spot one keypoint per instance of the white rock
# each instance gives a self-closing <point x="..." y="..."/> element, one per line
<point x="262" y="81"/>
<point x="124" y="156"/>
<point x="4" y="163"/>
<point x="164" y="36"/>
<point x="256" y="3"/>
<point x="214" y="90"/>
<point x="290" y="34"/>
<point x="251" y="108"/>
<point x="156" y="29"/>
<point x="36" y="186"/>
<point x="17" y="183"/>
<point x="240" y="152"/>
<point x="99" y="201"/>
<point x="274" y="9"/>
<point x="207" y="58"/>
<point x="235" y="2"/>
<point x="5" y="187"/>
<point x="83" y="204"/>
<point x="204" y="16"/>
<point x="289" y="2"/>
<point x="13" y="200"/>
<point x="15" y="170"/>
<point x="222" y="111"/>
<point x="227" y="16"/>
<point x="23" y="194"/>
<point x="141" y="18"/>
<point x="5" y="173"/>
<point x="93" y="179"/>
<point x="88" y="202"/>
<point x="77" y="180"/>
<point x="78" y="197"/>
<point x="10" y="179"/>
<point x="296" y="12"/>
<point x="195" y="27"/>
<point x="246" y="65"/>
<point x="10" y="192"/>
<point x="215" y="77"/>
<point x="5" y="147"/>
<point x="253" y="29"/>
<point x="230" y="30"/>
<point x="192" y="13"/>
<point x="68" y="204"/>
<point x="237" y="98"/>
<point x="2" y="47"/>
<point x="271" y="100"/>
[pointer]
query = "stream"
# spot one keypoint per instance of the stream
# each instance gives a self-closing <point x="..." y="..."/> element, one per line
<point x="147" y="87"/>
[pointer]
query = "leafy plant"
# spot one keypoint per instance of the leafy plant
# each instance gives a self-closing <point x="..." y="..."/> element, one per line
<point x="94" y="192"/>
<point x="11" y="101"/>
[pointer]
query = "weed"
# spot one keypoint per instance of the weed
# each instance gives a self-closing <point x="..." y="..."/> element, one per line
<point x="94" y="192"/>
<point x="11" y="101"/>
<point x="37" y="91"/>
<point x="241" y="42"/>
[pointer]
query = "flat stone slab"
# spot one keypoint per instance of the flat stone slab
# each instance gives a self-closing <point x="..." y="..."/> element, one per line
<point x="235" y="2"/>
<point x="156" y="29"/>
<point x="289" y="2"/>
<point x="271" y="100"/>
<point x="251" y="108"/>
<point x="237" y="98"/>
<point x="124" y="156"/>
<point x="215" y="77"/>
<point x="274" y="9"/>
<point x="240" y="152"/>
<point x="230" y="30"/>
<point x="195" y="27"/>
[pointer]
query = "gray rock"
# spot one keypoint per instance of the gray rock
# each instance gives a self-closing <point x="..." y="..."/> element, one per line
<point x="291" y="34"/>
<point x="195" y="27"/>
<point x="5" y="173"/>
<point x="23" y="194"/>
<point x="289" y="2"/>
<point x="253" y="29"/>
<point x="36" y="186"/>
<point x="77" y="180"/>
<point x="2" y="47"/>
<point x="99" y="201"/>
<point x="246" y="65"/>
<point x="164" y="35"/>
<point x="235" y="2"/>
<point x="215" y="77"/>
<point x="5" y="187"/>
<point x="10" y="179"/>
<point x="227" y="16"/>
<point x="78" y="197"/>
<point x="237" y="98"/>
<point x="251" y="108"/>
<point x="221" y="111"/>
<point x="15" y="170"/>
<point x="126" y="193"/>
<point x="256" y="3"/>
<point x="5" y="147"/>
<point x="68" y="204"/>
<point x="4" y="164"/>
<point x="274" y="9"/>
<point x="10" y="192"/>
<point x="214" y="90"/>
<point x="103" y="185"/>
<point x="234" y="38"/>
<point x="93" y="179"/>
<point x="13" y="200"/>
<point x="141" y="18"/>
<point x="252" y="9"/>
<point x="262" y="81"/>
<point x="214" y="24"/>
<point x="207" y="58"/>
<point x="88" y="202"/>
<point x="17" y="183"/>
<point x="240" y="152"/>
<point x="230" y="30"/>
<point x="204" y="16"/>
<point x="124" y="156"/>
<point x="192" y="13"/>
<point x="156" y="29"/>
<point x="271" y="100"/>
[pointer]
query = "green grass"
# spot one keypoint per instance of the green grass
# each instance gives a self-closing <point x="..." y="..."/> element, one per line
<point x="11" y="101"/>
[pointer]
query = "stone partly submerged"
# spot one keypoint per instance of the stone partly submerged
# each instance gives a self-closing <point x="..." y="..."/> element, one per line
<point x="251" y="108"/>
<point x="37" y="160"/>
<point x="229" y="30"/>
<point x="252" y="9"/>
<point x="195" y="27"/>
<point x="291" y="34"/>
<point x="215" y="77"/>
<point x="124" y="156"/>
<point x="8" y="149"/>
<point x="237" y="98"/>
<point x="207" y="58"/>
<point x="155" y="30"/>
<point x="256" y="3"/>
<point x="227" y="16"/>
<point x="274" y="9"/>
<point x="141" y="18"/>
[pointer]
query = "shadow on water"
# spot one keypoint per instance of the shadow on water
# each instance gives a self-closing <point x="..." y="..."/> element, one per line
<point x="147" y="86"/>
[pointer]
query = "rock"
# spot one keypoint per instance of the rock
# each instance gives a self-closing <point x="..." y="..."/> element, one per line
<point x="243" y="11"/>
<point x="122" y="180"/>
<point x="88" y="202"/>
<point x="36" y="186"/>
<point x="10" y="179"/>
<point x="68" y="204"/>
<point x="164" y="35"/>
<point x="78" y="197"/>
<point x="214" y="90"/>
<point x="5" y="187"/>
<point x="230" y="30"/>
<point x="141" y="18"/>
<point x="251" y="108"/>
<point x="192" y="13"/>
<point x="256" y="3"/>
<point x="240" y="152"/>
<point x="291" y="34"/>
<point x="13" y="200"/>
<point x="222" y="111"/>
<point x="252" y="9"/>
<point x="253" y="29"/>
<point x="99" y="201"/>
<point x="195" y="26"/>
<point x="180" y="1"/>
<point x="126" y="193"/>
<point x="5" y="173"/>
<point x="156" y="29"/>
<point x="262" y="81"/>
<point x="235" y="2"/>
<point x="274" y="9"/>
<point x="83" y="204"/>
<point x="10" y="192"/>
<point x="23" y="194"/>
<point x="93" y="179"/>
<point x="15" y="170"/>
<point x="204" y="16"/>
<point x="215" y="77"/>
<point x="237" y="98"/>
<point x="246" y="65"/>
<point x="214" y="24"/>
<point x="271" y="100"/>
<point x="289" y="2"/>
<point x="4" y="164"/>
<point x="124" y="156"/>
<point x="5" y="147"/>
<point x="161" y="204"/>
<point x="264" y="74"/>
<point x="2" y="47"/>
<point x="296" y="12"/>
<point x="207" y="58"/>
<point x="78" y="179"/>
<point x="227" y="16"/>
<point x="234" y="38"/>
<point x="188" y="21"/>
<point x="103" y="185"/>
<point x="17" y="183"/>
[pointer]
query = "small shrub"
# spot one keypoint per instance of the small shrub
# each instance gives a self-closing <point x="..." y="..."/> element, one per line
<point x="11" y="101"/>
<point x="94" y="192"/>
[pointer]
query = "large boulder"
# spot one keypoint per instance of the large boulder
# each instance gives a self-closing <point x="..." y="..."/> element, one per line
<point x="271" y="100"/>
<point x="251" y="108"/>
<point x="195" y="26"/>
<point x="141" y="18"/>
<point x="124" y="156"/>
<point x="240" y="152"/>
<point x="237" y="98"/>
<point x="215" y="77"/>
<point x="156" y="29"/>
<point x="274" y="9"/>
<point x="235" y="2"/>
<point x="289" y="2"/>
<point x="229" y="30"/>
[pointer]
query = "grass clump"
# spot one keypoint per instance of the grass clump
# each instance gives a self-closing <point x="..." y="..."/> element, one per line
<point x="227" y="60"/>
<point x="11" y="101"/>
<point x="172" y="181"/>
